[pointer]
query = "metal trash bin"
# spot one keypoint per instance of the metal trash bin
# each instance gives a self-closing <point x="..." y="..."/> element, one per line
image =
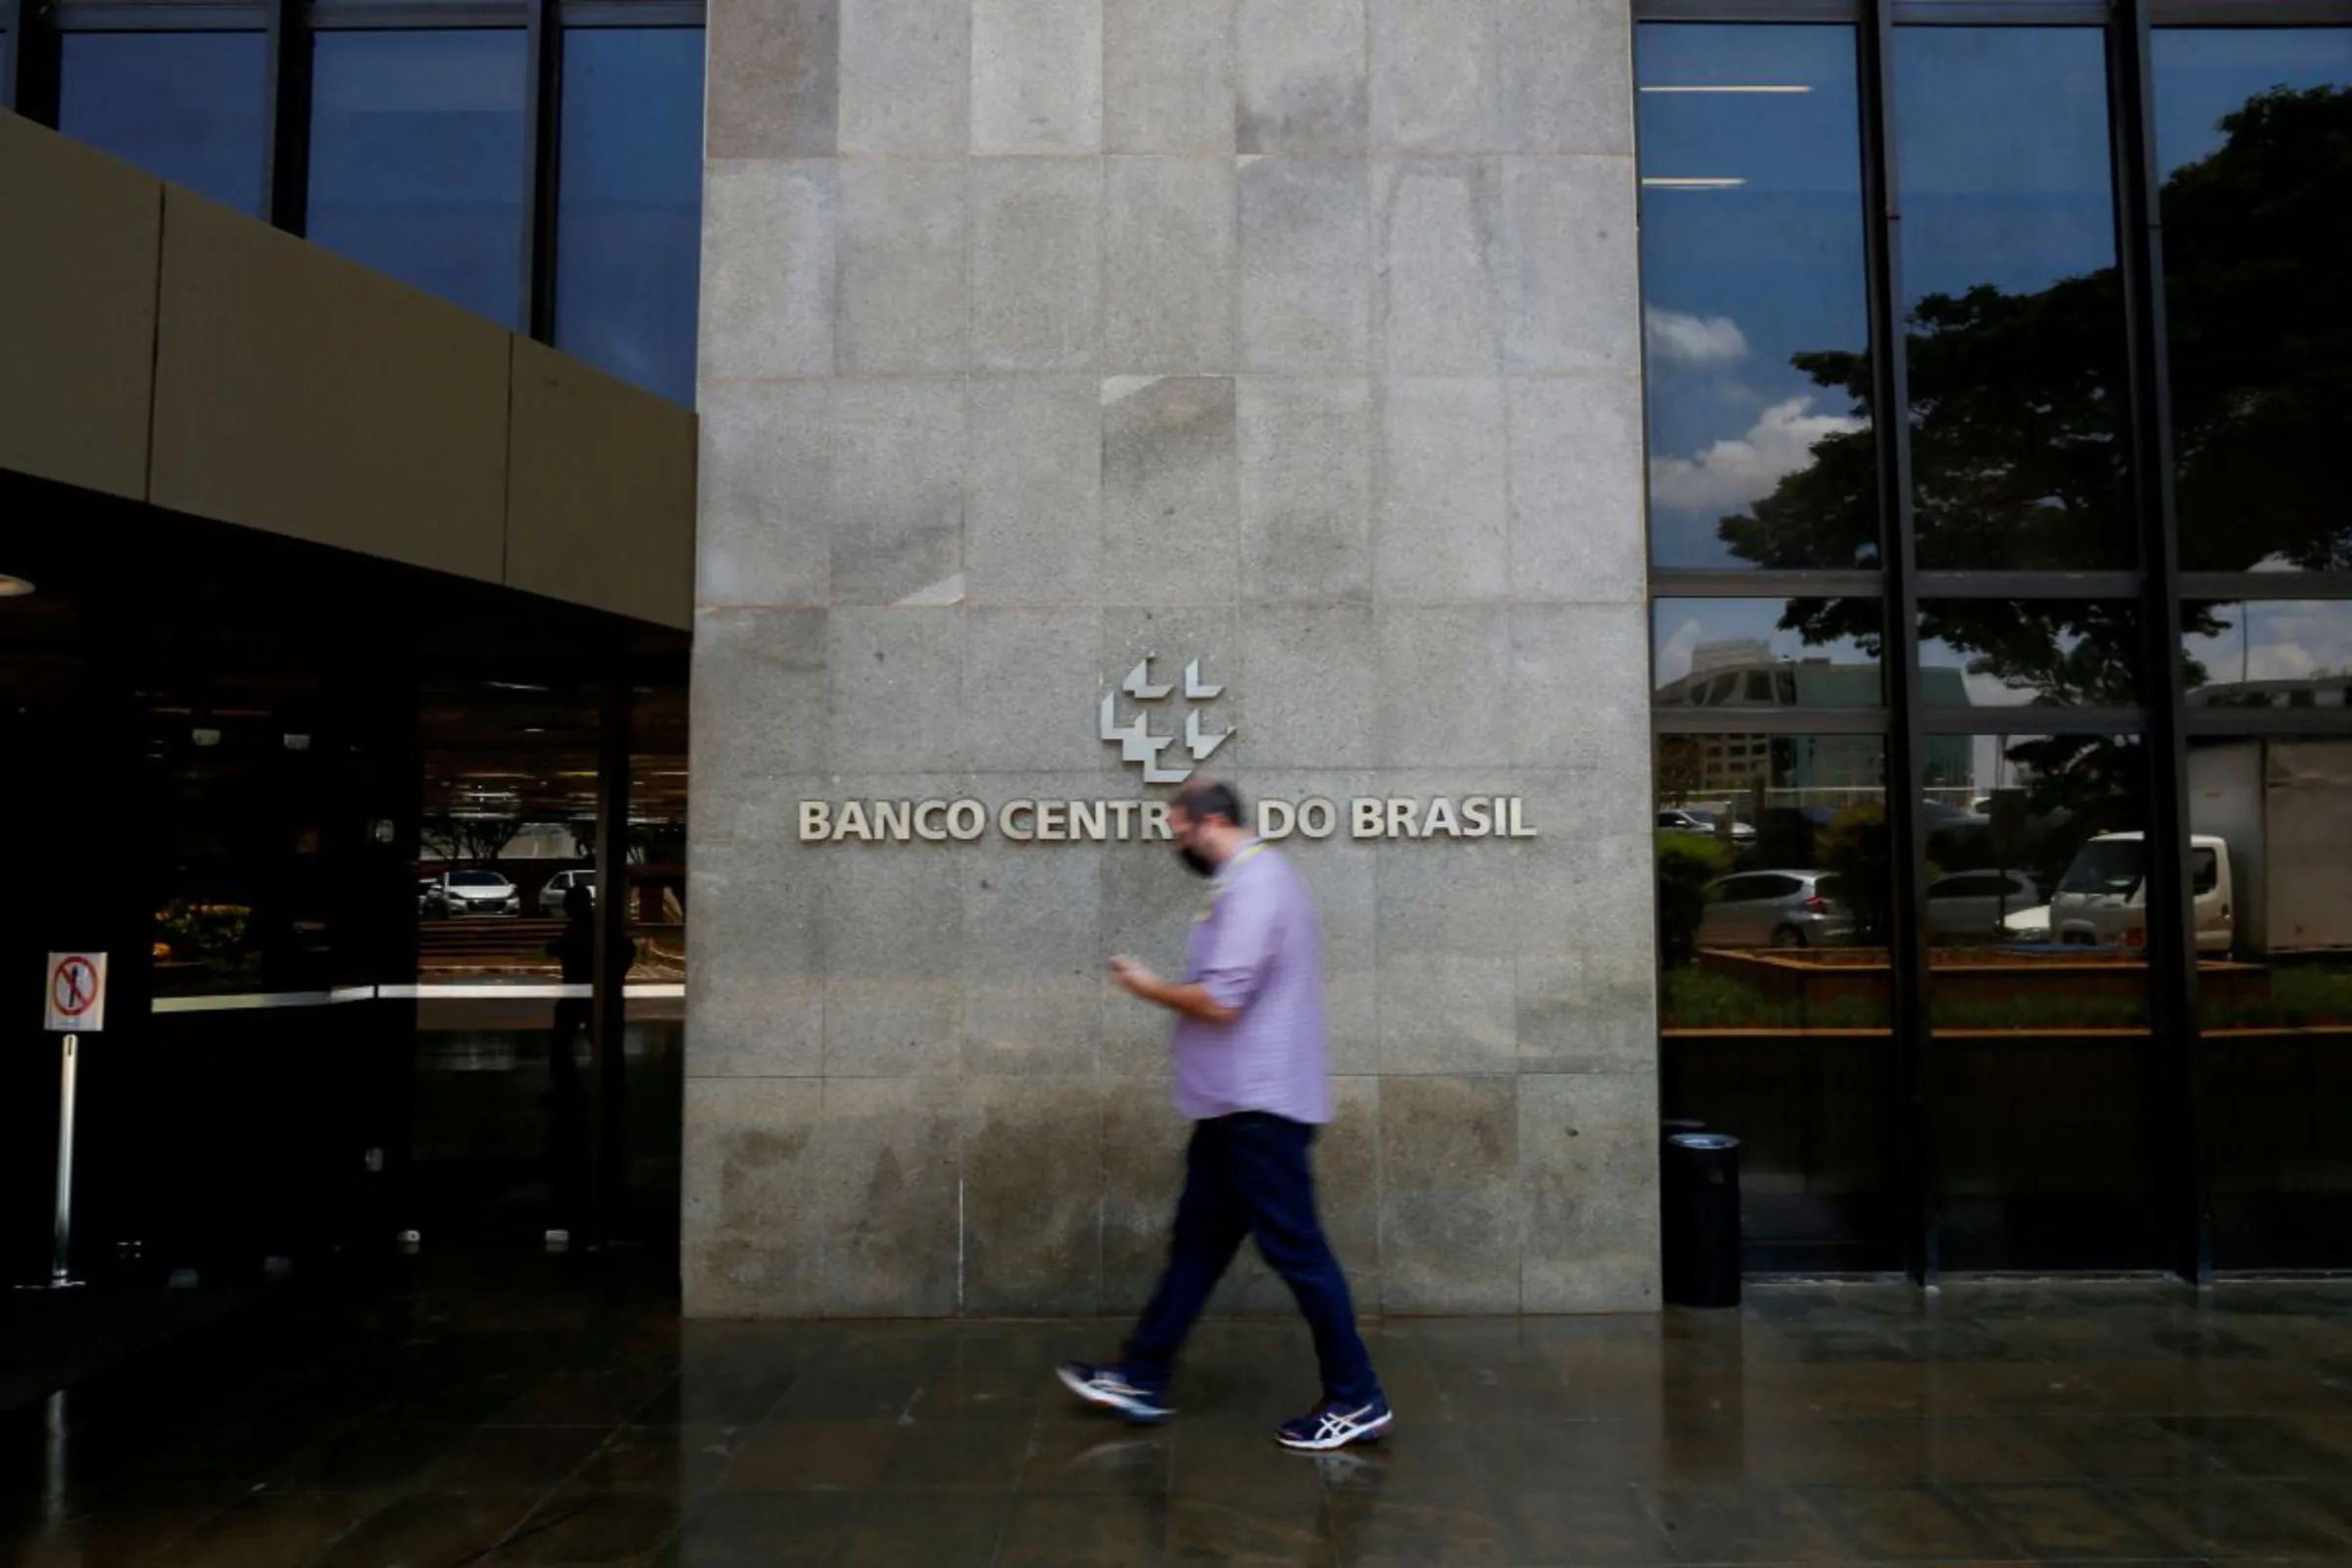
<point x="1669" y="1172"/>
<point x="1699" y="1203"/>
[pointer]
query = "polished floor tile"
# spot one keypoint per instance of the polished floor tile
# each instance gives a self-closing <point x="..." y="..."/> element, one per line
<point x="2008" y="1424"/>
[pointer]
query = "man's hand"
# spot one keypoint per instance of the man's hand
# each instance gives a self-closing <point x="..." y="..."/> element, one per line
<point x="1133" y="979"/>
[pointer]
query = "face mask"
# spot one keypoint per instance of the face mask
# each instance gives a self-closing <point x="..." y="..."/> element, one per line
<point x="1199" y="864"/>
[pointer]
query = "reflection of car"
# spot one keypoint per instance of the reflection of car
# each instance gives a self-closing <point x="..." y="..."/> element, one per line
<point x="550" y="897"/>
<point x="1782" y="908"/>
<point x="2102" y="900"/>
<point x="1975" y="904"/>
<point x="1692" y="819"/>
<point x="463" y="893"/>
<point x="2028" y="925"/>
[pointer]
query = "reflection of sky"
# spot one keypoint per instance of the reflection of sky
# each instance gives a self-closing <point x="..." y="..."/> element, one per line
<point x="2002" y="137"/>
<point x="2276" y="641"/>
<point x="2203" y="74"/>
<point x="1738" y="280"/>
<point x="1680" y="628"/>
<point x="187" y="107"/>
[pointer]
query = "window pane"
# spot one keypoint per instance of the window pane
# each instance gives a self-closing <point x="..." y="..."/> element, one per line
<point x="1758" y="333"/>
<point x="1771" y="863"/>
<point x="192" y="108"/>
<point x="2268" y="653"/>
<point x="629" y="225"/>
<point x="1766" y="652"/>
<point x="2040" y="653"/>
<point x="2254" y="137"/>
<point x="416" y="160"/>
<point x="2037" y="994"/>
<point x="2270" y="830"/>
<point x="2016" y="324"/>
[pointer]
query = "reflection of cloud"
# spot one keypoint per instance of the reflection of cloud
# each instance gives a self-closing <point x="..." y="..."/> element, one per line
<point x="1678" y="337"/>
<point x="2288" y="640"/>
<point x="1675" y="653"/>
<point x="1735" y="472"/>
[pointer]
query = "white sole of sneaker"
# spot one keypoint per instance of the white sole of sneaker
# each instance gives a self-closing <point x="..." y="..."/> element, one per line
<point x="1373" y="1432"/>
<point x="1102" y="1400"/>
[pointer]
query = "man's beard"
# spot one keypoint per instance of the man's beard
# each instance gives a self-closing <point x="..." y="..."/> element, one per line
<point x="1199" y="864"/>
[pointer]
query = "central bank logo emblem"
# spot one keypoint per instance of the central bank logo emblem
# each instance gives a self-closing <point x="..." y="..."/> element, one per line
<point x="1152" y="753"/>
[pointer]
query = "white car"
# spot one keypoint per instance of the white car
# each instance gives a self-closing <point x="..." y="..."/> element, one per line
<point x="550" y="897"/>
<point x="473" y="893"/>
<point x="1692" y="819"/>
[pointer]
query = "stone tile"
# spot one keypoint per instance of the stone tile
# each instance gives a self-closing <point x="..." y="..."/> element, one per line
<point x="759" y="697"/>
<point x="897" y="498"/>
<point x="1033" y="1195"/>
<point x="1032" y="690"/>
<point x="1033" y="993"/>
<point x="1050" y="1528"/>
<point x="1586" y="979"/>
<point x="1347" y="1193"/>
<point x="1604" y="1526"/>
<point x="1168" y="75"/>
<point x="1886" y="1524"/>
<point x="892" y="1008"/>
<point x="758" y="1529"/>
<point x="906" y="231"/>
<point x="906" y="77"/>
<point x="1435" y="74"/>
<point x="1737" y="1524"/>
<point x="1447" y="989"/>
<point x="887" y="1192"/>
<point x="765" y="471"/>
<point x="1579" y="693"/>
<point x="770" y="234"/>
<point x="443" y="1526"/>
<point x="1587" y="1180"/>
<point x="1570" y="266"/>
<point x="1143" y="1172"/>
<point x="1450" y="1222"/>
<point x="2234" y="1518"/>
<point x="1033" y="523"/>
<point x="755" y="993"/>
<point x="1173" y="639"/>
<point x="1567" y="76"/>
<point x="753" y="1246"/>
<point x="1442" y="529"/>
<point x="1444" y="687"/>
<point x="1307" y="284"/>
<point x="1148" y="903"/>
<point x="1036" y="75"/>
<point x="1170" y="249"/>
<point x="774" y="89"/>
<point x="1306" y="457"/>
<point x="1436" y="224"/>
<point x="1578" y="524"/>
<point x="883" y="1529"/>
<point x="1169" y="491"/>
<point x="1037" y="263"/>
<point x="1302" y="70"/>
<point x="2067" y="1522"/>
<point x="1314" y="676"/>
<point x="897" y="690"/>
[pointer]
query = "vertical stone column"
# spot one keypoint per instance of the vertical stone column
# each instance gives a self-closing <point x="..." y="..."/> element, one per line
<point x="1298" y="337"/>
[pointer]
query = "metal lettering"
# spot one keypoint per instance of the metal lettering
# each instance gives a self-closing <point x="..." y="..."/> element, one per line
<point x="1052" y="821"/>
<point x="1317" y="818"/>
<point x="816" y="821"/>
<point x="926" y="821"/>
<point x="1006" y="816"/>
<point x="966" y="820"/>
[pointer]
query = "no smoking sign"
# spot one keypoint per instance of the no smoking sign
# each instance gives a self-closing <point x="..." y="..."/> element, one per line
<point x="76" y="993"/>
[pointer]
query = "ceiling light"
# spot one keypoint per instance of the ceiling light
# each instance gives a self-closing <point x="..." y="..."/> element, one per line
<point x="13" y="587"/>
<point x="1729" y="87"/>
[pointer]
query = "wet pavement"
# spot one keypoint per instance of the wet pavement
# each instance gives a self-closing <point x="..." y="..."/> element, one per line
<point x="532" y="1421"/>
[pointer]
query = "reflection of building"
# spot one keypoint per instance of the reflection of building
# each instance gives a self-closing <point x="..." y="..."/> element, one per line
<point x="1743" y="674"/>
<point x="2324" y="689"/>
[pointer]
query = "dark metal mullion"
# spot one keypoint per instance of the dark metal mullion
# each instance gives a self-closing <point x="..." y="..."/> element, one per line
<point x="289" y="140"/>
<point x="2074" y="585"/>
<point x="542" y="152"/>
<point x="631" y="14"/>
<point x="2257" y="587"/>
<point x="1732" y="583"/>
<point x="1914" y="1107"/>
<point x="2181" y="1173"/>
<point x="1768" y="722"/>
<point x="2251" y="12"/>
<point x="2029" y="721"/>
<point x="2235" y="722"/>
<point x="30" y="86"/>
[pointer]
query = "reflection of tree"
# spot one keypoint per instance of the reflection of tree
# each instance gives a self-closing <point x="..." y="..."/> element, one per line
<point x="471" y="840"/>
<point x="2018" y="417"/>
<point x="1681" y="768"/>
<point x="2077" y="787"/>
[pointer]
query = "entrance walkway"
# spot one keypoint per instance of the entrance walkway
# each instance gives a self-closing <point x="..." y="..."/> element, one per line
<point x="526" y="1424"/>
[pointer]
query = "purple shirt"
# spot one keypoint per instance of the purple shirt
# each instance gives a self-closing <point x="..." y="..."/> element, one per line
<point x="1259" y="949"/>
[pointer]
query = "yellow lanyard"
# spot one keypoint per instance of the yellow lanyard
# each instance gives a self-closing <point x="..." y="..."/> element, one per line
<point x="1216" y="885"/>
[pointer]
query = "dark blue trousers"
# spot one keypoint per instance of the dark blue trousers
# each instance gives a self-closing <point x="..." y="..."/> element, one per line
<point x="1247" y="1175"/>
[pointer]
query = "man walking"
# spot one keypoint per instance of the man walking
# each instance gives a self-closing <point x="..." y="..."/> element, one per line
<point x="1251" y="1075"/>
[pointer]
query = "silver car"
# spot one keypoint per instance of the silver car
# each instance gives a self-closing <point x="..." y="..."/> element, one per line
<point x="1975" y="904"/>
<point x="1775" y="909"/>
<point x="550" y="897"/>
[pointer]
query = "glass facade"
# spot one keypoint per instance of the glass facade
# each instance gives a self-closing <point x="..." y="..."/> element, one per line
<point x="1995" y="888"/>
<point x="536" y="162"/>
<point x="192" y="107"/>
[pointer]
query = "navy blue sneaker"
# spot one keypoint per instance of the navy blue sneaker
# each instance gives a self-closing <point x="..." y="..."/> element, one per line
<point x="1106" y="1388"/>
<point x="1335" y="1425"/>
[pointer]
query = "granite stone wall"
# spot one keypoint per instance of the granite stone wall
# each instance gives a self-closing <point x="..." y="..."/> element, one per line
<point x="1300" y="337"/>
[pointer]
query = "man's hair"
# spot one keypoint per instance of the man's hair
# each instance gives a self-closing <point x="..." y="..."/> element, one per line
<point x="1206" y="798"/>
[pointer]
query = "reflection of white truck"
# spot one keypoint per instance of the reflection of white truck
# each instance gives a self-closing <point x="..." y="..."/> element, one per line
<point x="2269" y="837"/>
